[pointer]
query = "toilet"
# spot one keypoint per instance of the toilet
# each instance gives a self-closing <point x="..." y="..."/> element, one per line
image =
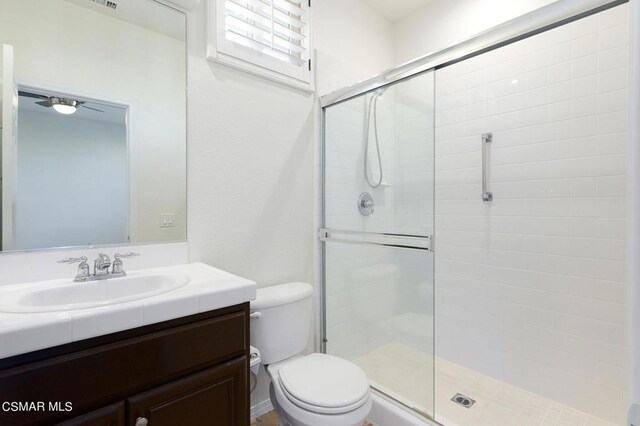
<point x="306" y="390"/>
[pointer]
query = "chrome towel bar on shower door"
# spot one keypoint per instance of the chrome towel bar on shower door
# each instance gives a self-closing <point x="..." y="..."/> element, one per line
<point x="487" y="138"/>
<point x="405" y="241"/>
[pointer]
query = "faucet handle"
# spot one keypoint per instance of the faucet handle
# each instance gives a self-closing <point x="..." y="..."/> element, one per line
<point x="83" y="267"/>
<point x="117" y="263"/>
<point x="73" y="259"/>
<point x="126" y="255"/>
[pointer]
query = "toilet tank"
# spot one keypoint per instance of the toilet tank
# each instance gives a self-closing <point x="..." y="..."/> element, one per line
<point x="281" y="320"/>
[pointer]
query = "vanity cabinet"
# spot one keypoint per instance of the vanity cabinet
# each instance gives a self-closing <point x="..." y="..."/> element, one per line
<point x="192" y="370"/>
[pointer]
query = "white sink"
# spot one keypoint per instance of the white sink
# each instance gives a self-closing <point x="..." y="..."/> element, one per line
<point x="65" y="295"/>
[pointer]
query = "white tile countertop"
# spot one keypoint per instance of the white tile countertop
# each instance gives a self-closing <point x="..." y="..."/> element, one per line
<point x="208" y="289"/>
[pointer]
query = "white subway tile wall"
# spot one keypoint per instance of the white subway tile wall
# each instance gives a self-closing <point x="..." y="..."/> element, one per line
<point x="530" y="288"/>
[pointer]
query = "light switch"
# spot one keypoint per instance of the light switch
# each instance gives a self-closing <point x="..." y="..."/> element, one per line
<point x="166" y="220"/>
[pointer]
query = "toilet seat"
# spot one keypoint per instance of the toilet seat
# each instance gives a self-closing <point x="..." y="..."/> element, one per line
<point x="324" y="384"/>
<point x="301" y="404"/>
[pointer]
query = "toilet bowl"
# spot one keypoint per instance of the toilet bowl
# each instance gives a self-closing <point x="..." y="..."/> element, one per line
<point x="306" y="390"/>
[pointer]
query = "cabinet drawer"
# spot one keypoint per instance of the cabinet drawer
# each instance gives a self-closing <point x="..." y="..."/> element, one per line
<point x="214" y="397"/>
<point x="96" y="377"/>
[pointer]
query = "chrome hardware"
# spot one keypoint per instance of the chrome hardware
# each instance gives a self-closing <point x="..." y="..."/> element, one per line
<point x="83" y="267"/>
<point x="256" y="315"/>
<point x="405" y="241"/>
<point x="101" y="265"/>
<point x="366" y="204"/>
<point x="487" y="138"/>
<point x="142" y="421"/>
<point x="117" y="267"/>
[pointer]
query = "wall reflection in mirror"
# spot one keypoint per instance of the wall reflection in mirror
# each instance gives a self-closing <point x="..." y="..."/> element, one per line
<point x="93" y="123"/>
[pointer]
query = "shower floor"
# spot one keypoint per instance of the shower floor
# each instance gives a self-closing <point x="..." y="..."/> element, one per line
<point x="497" y="403"/>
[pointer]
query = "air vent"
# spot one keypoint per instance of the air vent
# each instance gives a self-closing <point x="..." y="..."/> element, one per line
<point x="106" y="3"/>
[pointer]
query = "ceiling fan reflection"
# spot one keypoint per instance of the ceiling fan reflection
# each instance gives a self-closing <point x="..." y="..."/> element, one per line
<point x="60" y="104"/>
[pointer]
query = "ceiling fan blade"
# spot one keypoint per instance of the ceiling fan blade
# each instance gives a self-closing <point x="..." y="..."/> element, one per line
<point x="32" y="95"/>
<point x="88" y="107"/>
<point x="46" y="103"/>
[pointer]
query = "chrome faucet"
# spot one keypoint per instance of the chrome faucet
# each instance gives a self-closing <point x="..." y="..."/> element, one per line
<point x="100" y="267"/>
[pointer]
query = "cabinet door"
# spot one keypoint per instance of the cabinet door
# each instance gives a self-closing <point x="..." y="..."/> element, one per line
<point x="218" y="396"/>
<point x="113" y="415"/>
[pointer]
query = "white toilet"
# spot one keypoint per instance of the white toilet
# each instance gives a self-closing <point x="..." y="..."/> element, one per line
<point x="306" y="390"/>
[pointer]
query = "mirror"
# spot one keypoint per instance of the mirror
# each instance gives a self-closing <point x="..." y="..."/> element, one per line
<point x="93" y="123"/>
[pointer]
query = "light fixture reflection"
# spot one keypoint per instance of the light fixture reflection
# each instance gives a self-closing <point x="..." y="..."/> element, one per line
<point x="64" y="106"/>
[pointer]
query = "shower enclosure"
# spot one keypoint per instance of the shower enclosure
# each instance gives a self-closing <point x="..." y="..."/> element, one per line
<point x="473" y="235"/>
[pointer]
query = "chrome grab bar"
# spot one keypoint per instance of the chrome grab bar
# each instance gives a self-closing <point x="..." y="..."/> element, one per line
<point x="487" y="138"/>
<point x="405" y="241"/>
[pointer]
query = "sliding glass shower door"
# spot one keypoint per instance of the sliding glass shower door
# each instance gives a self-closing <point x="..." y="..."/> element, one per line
<point x="378" y="221"/>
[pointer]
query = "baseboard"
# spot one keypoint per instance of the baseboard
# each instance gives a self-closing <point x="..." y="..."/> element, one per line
<point x="261" y="408"/>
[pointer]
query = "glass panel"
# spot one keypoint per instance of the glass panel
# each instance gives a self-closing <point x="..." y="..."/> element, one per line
<point x="379" y="314"/>
<point x="531" y="286"/>
<point x="400" y="180"/>
<point x="379" y="299"/>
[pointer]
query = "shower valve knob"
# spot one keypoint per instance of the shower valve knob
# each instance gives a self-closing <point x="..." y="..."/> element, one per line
<point x="366" y="204"/>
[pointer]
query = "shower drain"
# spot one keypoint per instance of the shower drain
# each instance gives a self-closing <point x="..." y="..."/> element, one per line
<point x="465" y="401"/>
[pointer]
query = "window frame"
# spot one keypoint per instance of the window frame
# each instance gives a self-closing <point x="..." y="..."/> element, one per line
<point x="224" y="51"/>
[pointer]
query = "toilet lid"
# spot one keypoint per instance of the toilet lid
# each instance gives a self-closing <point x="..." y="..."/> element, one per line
<point x="324" y="383"/>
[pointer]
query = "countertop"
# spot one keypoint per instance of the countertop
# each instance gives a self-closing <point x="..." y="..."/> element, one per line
<point x="209" y="289"/>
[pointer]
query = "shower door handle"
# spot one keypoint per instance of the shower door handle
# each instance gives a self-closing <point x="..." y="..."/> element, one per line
<point x="487" y="138"/>
<point x="403" y="241"/>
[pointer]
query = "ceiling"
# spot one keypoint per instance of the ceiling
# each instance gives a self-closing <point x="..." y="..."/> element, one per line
<point x="394" y="10"/>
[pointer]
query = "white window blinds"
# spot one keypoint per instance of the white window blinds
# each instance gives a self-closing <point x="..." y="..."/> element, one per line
<point x="267" y="36"/>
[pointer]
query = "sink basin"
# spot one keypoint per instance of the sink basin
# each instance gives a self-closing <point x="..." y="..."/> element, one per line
<point x="65" y="295"/>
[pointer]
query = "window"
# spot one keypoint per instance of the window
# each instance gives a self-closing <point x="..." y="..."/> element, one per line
<point x="269" y="38"/>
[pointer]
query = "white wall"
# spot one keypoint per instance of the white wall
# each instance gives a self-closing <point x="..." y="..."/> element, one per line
<point x="72" y="181"/>
<point x="531" y="288"/>
<point x="252" y="151"/>
<point x="353" y="42"/>
<point x="443" y="23"/>
<point x="81" y="51"/>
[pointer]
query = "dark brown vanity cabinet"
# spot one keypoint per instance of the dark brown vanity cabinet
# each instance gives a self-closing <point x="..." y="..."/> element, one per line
<point x="187" y="371"/>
